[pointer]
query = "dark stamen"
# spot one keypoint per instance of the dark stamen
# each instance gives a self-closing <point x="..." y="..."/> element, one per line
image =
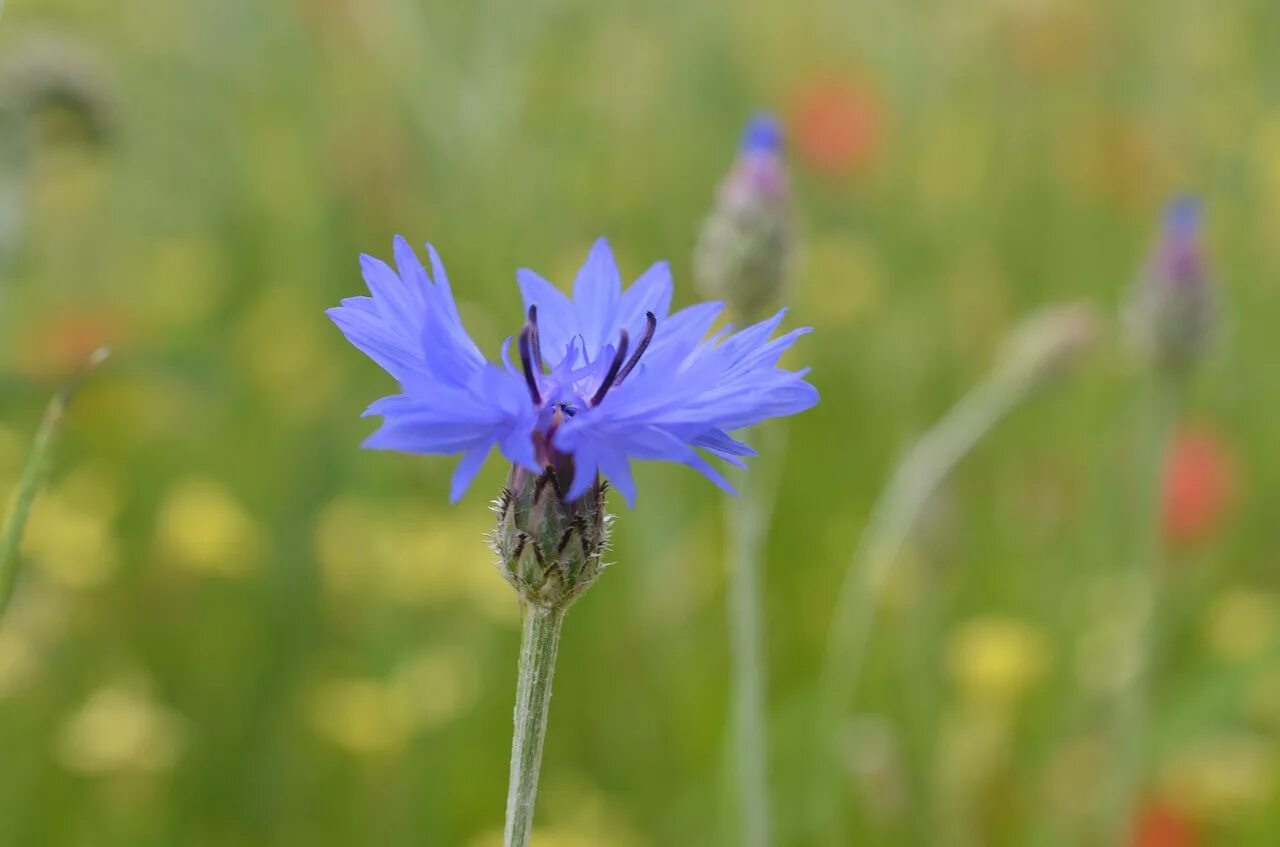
<point x="536" y="343"/>
<point x="644" y="345"/>
<point x="612" y="376"/>
<point x="526" y="362"/>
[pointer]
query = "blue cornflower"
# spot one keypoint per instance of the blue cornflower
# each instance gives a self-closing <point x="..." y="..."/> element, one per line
<point x="601" y="378"/>
<point x="762" y="134"/>
<point x="1172" y="309"/>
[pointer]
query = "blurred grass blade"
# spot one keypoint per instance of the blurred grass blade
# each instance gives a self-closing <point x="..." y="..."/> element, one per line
<point x="33" y="477"/>
<point x="1038" y="352"/>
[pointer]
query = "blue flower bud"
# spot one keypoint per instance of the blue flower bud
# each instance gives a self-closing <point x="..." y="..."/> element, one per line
<point x="745" y="247"/>
<point x="1173" y="305"/>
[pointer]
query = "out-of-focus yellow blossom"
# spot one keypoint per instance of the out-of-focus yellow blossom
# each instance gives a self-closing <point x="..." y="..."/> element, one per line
<point x="856" y="264"/>
<point x="17" y="661"/>
<point x="69" y="535"/>
<point x="1267" y="166"/>
<point x="563" y="836"/>
<point x="1241" y="623"/>
<point x="1073" y="775"/>
<point x="121" y="729"/>
<point x="434" y="686"/>
<point x="69" y="186"/>
<point x="581" y="816"/>
<point x="410" y="554"/>
<point x="203" y="527"/>
<point x="289" y="355"/>
<point x="977" y="291"/>
<point x="360" y="716"/>
<point x="1106" y="655"/>
<point x="1220" y="778"/>
<point x="995" y="661"/>
<point x="952" y="164"/>
<point x="178" y="282"/>
<point x="974" y="749"/>
<point x="371" y="716"/>
<point x="284" y="187"/>
<point x="34" y="619"/>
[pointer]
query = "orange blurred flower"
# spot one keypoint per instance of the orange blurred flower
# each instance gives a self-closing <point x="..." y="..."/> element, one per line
<point x="1199" y="485"/>
<point x="1161" y="825"/>
<point x="61" y="345"/>
<point x="836" y="126"/>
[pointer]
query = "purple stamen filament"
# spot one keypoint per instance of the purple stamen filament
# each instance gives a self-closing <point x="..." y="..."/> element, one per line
<point x="535" y="342"/>
<point x="531" y="359"/>
<point x="528" y="341"/>
<point x="614" y="367"/>
<point x="652" y="325"/>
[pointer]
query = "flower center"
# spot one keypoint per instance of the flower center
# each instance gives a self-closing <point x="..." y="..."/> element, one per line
<point x="619" y="367"/>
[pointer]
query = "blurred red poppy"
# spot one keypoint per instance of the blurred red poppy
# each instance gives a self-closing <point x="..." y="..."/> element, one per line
<point x="1161" y="825"/>
<point x="836" y="126"/>
<point x="1199" y="485"/>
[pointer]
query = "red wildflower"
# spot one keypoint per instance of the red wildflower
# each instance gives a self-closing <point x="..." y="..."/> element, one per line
<point x="836" y="126"/>
<point x="1161" y="825"/>
<point x="1199" y="484"/>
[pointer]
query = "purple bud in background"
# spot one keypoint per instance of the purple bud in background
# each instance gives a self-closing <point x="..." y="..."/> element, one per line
<point x="745" y="247"/>
<point x="1173" y="305"/>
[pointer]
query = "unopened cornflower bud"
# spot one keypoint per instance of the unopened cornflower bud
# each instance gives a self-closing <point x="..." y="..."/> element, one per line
<point x="745" y="247"/>
<point x="1045" y="346"/>
<point x="1172" y="306"/>
<point x="550" y="549"/>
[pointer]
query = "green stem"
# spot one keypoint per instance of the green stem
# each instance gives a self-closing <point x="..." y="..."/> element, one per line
<point x="748" y="523"/>
<point x="892" y="519"/>
<point x="538" y="645"/>
<point x="1132" y="701"/>
<point x="33" y="476"/>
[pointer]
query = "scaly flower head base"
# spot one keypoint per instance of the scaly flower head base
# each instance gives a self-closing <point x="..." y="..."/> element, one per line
<point x="548" y="549"/>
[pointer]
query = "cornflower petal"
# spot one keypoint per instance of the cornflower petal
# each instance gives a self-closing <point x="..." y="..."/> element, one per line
<point x="596" y="293"/>
<point x="557" y="319"/>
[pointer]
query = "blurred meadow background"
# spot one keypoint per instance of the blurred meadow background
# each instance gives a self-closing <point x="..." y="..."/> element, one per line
<point x="235" y="627"/>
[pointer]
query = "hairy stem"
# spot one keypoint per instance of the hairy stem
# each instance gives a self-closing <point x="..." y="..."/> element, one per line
<point x="892" y="519"/>
<point x="538" y="645"/>
<point x="748" y="523"/>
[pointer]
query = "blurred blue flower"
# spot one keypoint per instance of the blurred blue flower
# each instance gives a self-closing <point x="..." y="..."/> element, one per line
<point x="602" y="378"/>
<point x="1179" y="257"/>
<point x="763" y="134"/>
<point x="1172" y="310"/>
<point x="744" y="251"/>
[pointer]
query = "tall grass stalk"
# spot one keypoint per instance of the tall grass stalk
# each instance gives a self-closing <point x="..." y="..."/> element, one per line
<point x="32" y="481"/>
